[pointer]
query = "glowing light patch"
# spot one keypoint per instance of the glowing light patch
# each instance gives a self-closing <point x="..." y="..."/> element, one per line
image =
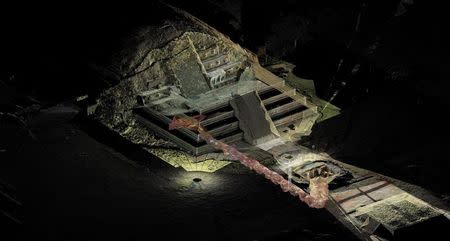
<point x="204" y="166"/>
<point x="188" y="162"/>
<point x="199" y="181"/>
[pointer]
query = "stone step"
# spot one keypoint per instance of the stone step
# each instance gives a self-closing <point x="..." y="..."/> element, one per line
<point x="224" y="129"/>
<point x="217" y="117"/>
<point x="284" y="121"/>
<point x="224" y="66"/>
<point x="163" y="121"/>
<point x="219" y="106"/>
<point x="279" y="111"/>
<point x="220" y="56"/>
<point x="277" y="98"/>
<point x="268" y="88"/>
<point x="189" y="140"/>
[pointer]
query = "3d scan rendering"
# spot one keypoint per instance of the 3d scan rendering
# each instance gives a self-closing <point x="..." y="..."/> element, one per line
<point x="225" y="120"/>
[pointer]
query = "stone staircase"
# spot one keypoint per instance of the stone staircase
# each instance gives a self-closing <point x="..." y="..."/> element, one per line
<point x="290" y="111"/>
<point x="219" y="69"/>
<point x="220" y="122"/>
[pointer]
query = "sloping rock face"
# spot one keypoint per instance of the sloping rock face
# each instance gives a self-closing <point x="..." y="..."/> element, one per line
<point x="168" y="65"/>
<point x="168" y="54"/>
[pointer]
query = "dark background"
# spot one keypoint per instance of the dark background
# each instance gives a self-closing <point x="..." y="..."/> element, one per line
<point x="392" y="84"/>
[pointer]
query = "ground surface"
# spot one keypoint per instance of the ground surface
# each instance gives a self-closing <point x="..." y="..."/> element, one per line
<point x="75" y="187"/>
